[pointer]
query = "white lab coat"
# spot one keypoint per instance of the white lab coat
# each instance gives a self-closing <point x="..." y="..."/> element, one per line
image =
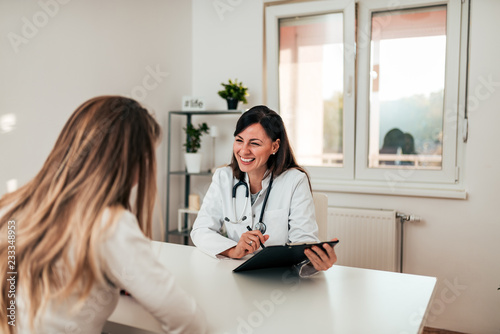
<point x="289" y="215"/>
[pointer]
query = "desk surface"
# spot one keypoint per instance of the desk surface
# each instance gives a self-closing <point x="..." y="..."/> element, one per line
<point x="340" y="300"/>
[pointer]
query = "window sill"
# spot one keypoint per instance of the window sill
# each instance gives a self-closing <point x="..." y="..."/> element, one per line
<point x="455" y="191"/>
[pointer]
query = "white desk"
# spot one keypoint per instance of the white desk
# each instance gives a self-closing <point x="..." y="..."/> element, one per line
<point x="340" y="300"/>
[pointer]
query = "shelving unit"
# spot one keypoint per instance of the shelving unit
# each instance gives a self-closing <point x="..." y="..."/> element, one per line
<point x="182" y="173"/>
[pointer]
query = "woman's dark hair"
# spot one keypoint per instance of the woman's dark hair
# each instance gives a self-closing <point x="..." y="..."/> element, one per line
<point x="275" y="128"/>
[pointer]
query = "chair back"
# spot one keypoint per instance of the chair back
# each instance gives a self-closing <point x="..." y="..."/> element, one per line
<point x="321" y="210"/>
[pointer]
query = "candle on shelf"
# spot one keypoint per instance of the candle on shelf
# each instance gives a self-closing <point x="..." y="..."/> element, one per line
<point x="213" y="131"/>
<point x="194" y="202"/>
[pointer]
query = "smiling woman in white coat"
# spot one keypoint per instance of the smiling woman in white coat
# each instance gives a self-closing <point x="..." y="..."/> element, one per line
<point x="262" y="197"/>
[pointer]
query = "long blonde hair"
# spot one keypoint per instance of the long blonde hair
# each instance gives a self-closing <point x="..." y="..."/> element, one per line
<point x="106" y="146"/>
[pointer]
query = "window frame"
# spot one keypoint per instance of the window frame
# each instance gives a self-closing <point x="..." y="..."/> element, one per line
<point x="447" y="174"/>
<point x="347" y="8"/>
<point x="355" y="176"/>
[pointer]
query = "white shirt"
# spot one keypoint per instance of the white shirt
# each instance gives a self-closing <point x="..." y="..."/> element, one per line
<point x="289" y="214"/>
<point x="129" y="264"/>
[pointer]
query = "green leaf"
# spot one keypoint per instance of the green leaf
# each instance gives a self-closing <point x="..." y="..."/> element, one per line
<point x="235" y="90"/>
<point x="193" y="137"/>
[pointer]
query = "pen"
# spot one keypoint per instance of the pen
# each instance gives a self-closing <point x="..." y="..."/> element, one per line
<point x="261" y="244"/>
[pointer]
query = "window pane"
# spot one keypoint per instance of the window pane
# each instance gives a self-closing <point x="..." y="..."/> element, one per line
<point x="408" y="50"/>
<point x="311" y="71"/>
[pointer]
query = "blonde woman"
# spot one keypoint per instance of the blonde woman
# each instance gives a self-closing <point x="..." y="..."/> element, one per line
<point x="72" y="238"/>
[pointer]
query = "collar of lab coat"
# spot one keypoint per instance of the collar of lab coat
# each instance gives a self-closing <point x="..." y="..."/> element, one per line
<point x="265" y="181"/>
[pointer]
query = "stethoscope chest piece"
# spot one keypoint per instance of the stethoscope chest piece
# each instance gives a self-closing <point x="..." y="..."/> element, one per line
<point x="261" y="227"/>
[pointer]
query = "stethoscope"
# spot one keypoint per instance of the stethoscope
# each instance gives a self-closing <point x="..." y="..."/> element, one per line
<point x="260" y="225"/>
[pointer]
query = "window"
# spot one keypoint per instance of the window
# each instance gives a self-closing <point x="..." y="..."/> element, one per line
<point x="407" y="70"/>
<point x="394" y="121"/>
<point x="312" y="80"/>
<point x="311" y="62"/>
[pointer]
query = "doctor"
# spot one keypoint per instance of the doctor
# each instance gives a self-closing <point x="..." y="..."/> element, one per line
<point x="262" y="197"/>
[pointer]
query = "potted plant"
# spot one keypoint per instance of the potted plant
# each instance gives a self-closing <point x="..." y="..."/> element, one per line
<point x="192" y="145"/>
<point x="233" y="92"/>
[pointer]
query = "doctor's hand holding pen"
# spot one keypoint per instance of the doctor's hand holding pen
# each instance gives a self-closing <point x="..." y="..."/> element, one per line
<point x="249" y="242"/>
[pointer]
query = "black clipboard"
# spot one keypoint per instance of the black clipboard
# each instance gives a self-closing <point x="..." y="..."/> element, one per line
<point x="279" y="256"/>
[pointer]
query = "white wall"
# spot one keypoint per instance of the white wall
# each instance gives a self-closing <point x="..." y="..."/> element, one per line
<point x="227" y="43"/>
<point x="84" y="49"/>
<point x="457" y="241"/>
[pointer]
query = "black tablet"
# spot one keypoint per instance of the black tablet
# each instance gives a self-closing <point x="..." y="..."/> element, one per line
<point x="279" y="256"/>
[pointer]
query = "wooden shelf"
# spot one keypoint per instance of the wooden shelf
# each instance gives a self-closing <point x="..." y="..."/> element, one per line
<point x="184" y="233"/>
<point x="208" y="112"/>
<point x="180" y="172"/>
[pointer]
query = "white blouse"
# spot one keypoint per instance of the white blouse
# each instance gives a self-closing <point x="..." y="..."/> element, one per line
<point x="130" y="264"/>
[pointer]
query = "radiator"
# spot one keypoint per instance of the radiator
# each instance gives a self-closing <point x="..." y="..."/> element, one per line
<point x="368" y="238"/>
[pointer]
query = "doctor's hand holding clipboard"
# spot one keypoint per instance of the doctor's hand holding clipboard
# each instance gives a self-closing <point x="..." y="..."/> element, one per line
<point x="263" y="197"/>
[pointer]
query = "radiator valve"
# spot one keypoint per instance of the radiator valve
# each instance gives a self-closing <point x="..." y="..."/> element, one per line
<point x="408" y="218"/>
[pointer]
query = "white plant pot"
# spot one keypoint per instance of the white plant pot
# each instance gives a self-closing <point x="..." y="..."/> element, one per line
<point x="193" y="162"/>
